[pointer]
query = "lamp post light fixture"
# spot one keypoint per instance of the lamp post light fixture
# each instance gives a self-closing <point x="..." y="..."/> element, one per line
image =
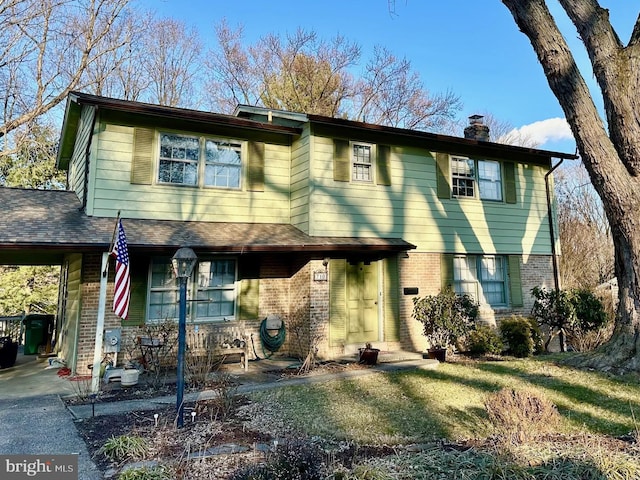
<point x="183" y="262"/>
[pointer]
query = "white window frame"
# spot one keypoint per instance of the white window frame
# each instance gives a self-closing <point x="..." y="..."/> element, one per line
<point x="233" y="172"/>
<point x="474" y="184"/>
<point x="358" y="166"/>
<point x="176" y="160"/>
<point x="234" y="145"/>
<point x="472" y="275"/>
<point x="195" y="290"/>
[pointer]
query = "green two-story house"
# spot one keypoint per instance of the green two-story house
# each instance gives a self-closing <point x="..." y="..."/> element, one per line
<point x="332" y="225"/>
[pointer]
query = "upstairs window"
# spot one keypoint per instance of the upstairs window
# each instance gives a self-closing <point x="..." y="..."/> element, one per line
<point x="469" y="175"/>
<point x="179" y="157"/>
<point x="222" y="164"/>
<point x="185" y="159"/>
<point x="361" y="162"/>
<point x="463" y="176"/>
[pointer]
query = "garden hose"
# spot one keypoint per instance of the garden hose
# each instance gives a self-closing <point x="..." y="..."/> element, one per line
<point x="271" y="343"/>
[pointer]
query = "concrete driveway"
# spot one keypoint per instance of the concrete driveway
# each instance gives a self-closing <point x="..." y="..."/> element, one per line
<point x="34" y="419"/>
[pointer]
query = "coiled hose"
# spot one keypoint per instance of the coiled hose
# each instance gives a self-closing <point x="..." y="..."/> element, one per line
<point x="271" y="342"/>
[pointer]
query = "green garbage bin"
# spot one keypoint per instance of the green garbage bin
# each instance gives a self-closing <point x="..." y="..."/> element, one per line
<point x="36" y="332"/>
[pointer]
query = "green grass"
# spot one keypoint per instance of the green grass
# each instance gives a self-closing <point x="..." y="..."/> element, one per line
<point x="421" y="405"/>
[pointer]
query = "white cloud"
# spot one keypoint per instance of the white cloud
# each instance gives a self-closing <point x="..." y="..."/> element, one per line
<point x="544" y="131"/>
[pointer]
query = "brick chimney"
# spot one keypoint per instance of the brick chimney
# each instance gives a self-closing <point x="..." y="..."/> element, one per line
<point x="477" y="130"/>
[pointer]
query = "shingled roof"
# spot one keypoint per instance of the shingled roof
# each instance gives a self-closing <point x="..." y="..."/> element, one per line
<point x="53" y="220"/>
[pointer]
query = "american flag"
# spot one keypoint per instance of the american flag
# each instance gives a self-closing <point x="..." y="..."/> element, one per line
<point x="123" y="283"/>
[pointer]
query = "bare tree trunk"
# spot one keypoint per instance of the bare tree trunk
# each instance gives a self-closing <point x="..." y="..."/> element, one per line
<point x="611" y="158"/>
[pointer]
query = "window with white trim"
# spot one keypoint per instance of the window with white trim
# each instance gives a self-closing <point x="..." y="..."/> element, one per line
<point x="483" y="277"/>
<point x="361" y="162"/>
<point x="222" y="164"/>
<point x="466" y="173"/>
<point x="212" y="285"/>
<point x="181" y="157"/>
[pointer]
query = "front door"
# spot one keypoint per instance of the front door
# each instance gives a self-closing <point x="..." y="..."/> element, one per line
<point x="362" y="302"/>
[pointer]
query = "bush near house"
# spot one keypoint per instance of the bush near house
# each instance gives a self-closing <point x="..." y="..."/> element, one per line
<point x="445" y="317"/>
<point x="569" y="314"/>
<point x="484" y="340"/>
<point x="521" y="336"/>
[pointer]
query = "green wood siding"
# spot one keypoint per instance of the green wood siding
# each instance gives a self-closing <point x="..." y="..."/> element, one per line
<point x="391" y="300"/>
<point x="73" y="302"/>
<point x="515" y="281"/>
<point x="383" y="166"/>
<point x="300" y="181"/>
<point x="410" y="207"/>
<point x="338" y="302"/>
<point x="114" y="191"/>
<point x="78" y="164"/>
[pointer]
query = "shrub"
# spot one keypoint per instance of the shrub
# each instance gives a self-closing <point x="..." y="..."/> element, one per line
<point x="125" y="447"/>
<point x="521" y="415"/>
<point x="295" y="460"/>
<point x="445" y="317"/>
<point x="573" y="313"/>
<point x="484" y="339"/>
<point x="517" y="334"/>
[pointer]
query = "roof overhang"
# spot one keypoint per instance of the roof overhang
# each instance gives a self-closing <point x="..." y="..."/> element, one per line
<point x="40" y="226"/>
<point x="338" y="127"/>
<point x="76" y="100"/>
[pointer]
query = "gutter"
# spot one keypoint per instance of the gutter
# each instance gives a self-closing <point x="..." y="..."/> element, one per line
<point x="554" y="257"/>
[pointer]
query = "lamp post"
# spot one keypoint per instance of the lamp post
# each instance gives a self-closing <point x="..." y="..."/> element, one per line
<point x="183" y="262"/>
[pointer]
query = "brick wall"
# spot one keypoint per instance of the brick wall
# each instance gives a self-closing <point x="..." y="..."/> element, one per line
<point x="289" y="290"/>
<point x="422" y="270"/>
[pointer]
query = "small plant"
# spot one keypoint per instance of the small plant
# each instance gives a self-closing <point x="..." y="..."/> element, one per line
<point x="200" y="366"/>
<point x="484" y="340"/>
<point x="445" y="317"/>
<point x="295" y="460"/>
<point x="125" y="447"/>
<point x="521" y="415"/>
<point x="224" y="404"/>
<point x="145" y="473"/>
<point x="518" y="336"/>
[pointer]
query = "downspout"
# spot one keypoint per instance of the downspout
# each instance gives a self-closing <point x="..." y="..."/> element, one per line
<point x="554" y="258"/>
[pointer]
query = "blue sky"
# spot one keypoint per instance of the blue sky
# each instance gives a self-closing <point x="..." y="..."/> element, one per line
<point x="472" y="48"/>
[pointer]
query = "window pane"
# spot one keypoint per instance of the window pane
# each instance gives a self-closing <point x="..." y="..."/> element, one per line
<point x="493" y="280"/>
<point x="178" y="159"/>
<point x="223" y="164"/>
<point x="216" y="288"/>
<point x="489" y="180"/>
<point x="361" y="163"/>
<point x="464" y="276"/>
<point x="463" y="177"/>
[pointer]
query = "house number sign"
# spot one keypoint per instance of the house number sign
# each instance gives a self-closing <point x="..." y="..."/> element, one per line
<point x="320" y="276"/>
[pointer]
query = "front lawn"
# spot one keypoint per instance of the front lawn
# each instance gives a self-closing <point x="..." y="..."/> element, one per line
<point x="412" y="424"/>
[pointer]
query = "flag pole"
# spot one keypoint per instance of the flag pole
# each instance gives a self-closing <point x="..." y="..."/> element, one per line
<point x="102" y="301"/>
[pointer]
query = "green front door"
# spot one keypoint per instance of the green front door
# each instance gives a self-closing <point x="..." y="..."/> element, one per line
<point x="362" y="302"/>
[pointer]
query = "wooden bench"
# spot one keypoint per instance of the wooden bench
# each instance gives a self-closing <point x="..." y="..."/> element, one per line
<point x="221" y="340"/>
